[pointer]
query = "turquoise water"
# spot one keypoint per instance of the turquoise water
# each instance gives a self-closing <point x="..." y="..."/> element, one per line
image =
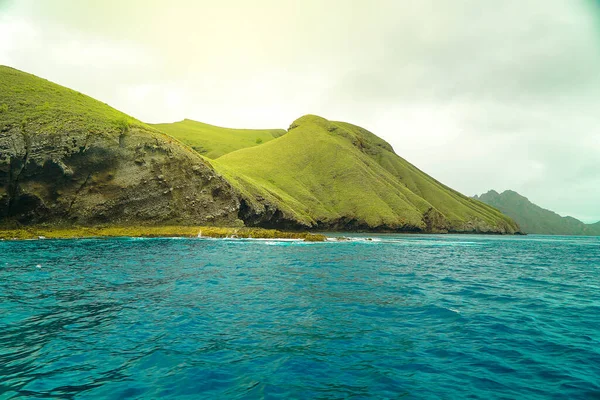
<point x="415" y="316"/>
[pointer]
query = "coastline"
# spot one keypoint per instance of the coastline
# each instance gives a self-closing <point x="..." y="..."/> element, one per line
<point x="79" y="232"/>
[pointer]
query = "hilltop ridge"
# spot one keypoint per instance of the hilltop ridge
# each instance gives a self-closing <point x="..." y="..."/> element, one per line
<point x="214" y="141"/>
<point x="333" y="175"/>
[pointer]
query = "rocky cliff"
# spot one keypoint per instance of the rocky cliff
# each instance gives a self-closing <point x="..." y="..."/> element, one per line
<point x="66" y="158"/>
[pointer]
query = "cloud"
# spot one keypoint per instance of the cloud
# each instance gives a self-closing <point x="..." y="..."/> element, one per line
<point x="480" y="94"/>
<point x="501" y="96"/>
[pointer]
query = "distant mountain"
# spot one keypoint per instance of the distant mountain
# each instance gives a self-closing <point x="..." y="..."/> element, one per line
<point x="535" y="219"/>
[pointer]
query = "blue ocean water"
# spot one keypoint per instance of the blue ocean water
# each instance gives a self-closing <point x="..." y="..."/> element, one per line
<point x="399" y="316"/>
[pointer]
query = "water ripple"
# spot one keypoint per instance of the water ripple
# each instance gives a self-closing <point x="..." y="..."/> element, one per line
<point x="399" y="316"/>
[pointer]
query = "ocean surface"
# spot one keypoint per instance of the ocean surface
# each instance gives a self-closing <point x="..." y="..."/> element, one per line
<point x="410" y="316"/>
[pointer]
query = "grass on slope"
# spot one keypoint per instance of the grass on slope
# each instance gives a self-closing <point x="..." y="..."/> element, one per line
<point x="40" y="106"/>
<point x="213" y="141"/>
<point x="454" y="205"/>
<point x="325" y="170"/>
<point x="320" y="176"/>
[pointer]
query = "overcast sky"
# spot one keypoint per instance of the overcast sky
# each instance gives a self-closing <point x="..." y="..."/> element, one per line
<point x="480" y="94"/>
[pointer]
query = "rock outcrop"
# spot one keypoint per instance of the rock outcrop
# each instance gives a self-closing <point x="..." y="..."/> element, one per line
<point x="96" y="169"/>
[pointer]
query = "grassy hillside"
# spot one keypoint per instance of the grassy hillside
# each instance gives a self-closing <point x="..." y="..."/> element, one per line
<point x="456" y="207"/>
<point x="334" y="175"/>
<point x="37" y="104"/>
<point x="213" y="141"/>
<point x="66" y="158"/>
<point x="535" y="219"/>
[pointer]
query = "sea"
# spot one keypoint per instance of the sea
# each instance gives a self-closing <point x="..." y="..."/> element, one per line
<point x="385" y="316"/>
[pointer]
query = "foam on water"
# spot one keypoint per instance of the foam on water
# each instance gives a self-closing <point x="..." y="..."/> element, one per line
<point x="400" y="315"/>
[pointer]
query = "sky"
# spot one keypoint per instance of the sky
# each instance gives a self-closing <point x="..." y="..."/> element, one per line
<point x="480" y="94"/>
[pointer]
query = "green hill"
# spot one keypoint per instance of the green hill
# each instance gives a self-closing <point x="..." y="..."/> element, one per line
<point x="534" y="219"/>
<point x="334" y="175"/>
<point x="65" y="158"/>
<point x="213" y="141"/>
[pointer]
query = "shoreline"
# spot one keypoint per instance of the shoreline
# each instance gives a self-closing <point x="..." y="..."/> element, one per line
<point x="143" y="231"/>
<point x="80" y="232"/>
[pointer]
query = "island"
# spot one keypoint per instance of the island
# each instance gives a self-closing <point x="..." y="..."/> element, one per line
<point x="68" y="161"/>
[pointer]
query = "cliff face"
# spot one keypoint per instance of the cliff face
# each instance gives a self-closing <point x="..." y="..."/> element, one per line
<point x="65" y="158"/>
<point x="78" y="178"/>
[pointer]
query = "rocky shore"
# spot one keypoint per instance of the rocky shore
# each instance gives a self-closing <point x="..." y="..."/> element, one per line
<point x="45" y="232"/>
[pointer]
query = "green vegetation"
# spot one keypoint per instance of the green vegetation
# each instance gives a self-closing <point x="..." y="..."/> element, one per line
<point x="534" y="219"/>
<point x="36" y="232"/>
<point x="67" y="158"/>
<point x="213" y="141"/>
<point x="123" y="125"/>
<point x="37" y="105"/>
<point x="337" y="175"/>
